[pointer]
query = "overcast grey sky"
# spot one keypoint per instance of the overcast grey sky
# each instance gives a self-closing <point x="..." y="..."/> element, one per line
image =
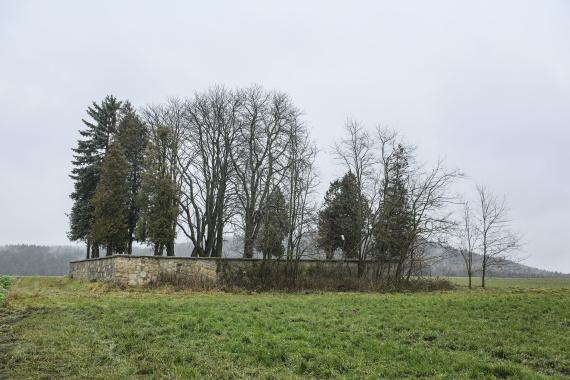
<point x="484" y="84"/>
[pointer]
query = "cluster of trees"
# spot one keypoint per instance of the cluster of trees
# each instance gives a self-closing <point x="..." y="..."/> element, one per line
<point x="485" y="230"/>
<point x="388" y="207"/>
<point x="107" y="171"/>
<point x="239" y="159"/>
<point x="242" y="162"/>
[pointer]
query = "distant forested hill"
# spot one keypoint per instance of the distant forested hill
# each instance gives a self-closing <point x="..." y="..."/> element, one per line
<point x="27" y="260"/>
<point x="450" y="263"/>
<point x="37" y="260"/>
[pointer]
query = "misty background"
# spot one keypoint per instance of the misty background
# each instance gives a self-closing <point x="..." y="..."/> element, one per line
<point x="485" y="85"/>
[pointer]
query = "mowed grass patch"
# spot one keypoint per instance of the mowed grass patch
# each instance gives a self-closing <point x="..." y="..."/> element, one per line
<point x="90" y="330"/>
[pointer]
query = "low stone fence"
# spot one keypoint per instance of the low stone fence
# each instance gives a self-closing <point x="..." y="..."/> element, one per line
<point x="143" y="270"/>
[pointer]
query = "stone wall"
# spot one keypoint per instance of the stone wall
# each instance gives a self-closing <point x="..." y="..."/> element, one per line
<point x="143" y="270"/>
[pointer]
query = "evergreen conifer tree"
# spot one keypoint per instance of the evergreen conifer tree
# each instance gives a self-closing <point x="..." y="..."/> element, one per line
<point x="340" y="223"/>
<point x="133" y="137"/>
<point x="87" y="159"/>
<point x="391" y="233"/>
<point x="110" y="202"/>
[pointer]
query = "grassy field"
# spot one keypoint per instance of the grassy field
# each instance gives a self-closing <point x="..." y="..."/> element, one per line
<point x="59" y="328"/>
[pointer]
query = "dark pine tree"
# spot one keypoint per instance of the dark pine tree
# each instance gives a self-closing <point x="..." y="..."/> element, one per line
<point x="87" y="159"/>
<point x="132" y="135"/>
<point x="340" y="223"/>
<point x="111" y="202"/>
<point x="392" y="231"/>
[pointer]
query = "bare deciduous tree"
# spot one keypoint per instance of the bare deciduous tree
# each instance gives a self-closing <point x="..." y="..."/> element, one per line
<point x="498" y="241"/>
<point x="300" y="184"/>
<point x="468" y="240"/>
<point x="204" y="159"/>
<point x="258" y="157"/>
<point x="431" y="216"/>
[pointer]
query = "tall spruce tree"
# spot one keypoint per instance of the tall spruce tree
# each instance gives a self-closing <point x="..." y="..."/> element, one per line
<point x="87" y="159"/>
<point x="392" y="231"/>
<point x="111" y="203"/>
<point x="132" y="135"/>
<point x="81" y="216"/>
<point x="340" y="223"/>
<point x="273" y="228"/>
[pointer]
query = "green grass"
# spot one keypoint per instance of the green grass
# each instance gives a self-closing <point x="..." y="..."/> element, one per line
<point x="66" y="329"/>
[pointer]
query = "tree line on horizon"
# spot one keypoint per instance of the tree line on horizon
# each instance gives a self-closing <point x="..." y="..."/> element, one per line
<point x="53" y="260"/>
<point x="242" y="161"/>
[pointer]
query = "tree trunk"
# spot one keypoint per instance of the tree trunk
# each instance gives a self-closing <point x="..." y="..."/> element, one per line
<point x="248" y="248"/>
<point x="95" y="251"/>
<point x="109" y="250"/>
<point x="361" y="268"/>
<point x="248" y="240"/>
<point x="170" y="248"/>
<point x="88" y="249"/>
<point x="398" y="271"/>
<point x="218" y="251"/>
<point x="409" y="274"/>
<point x="219" y="240"/>
<point x="483" y="277"/>
<point x="130" y="245"/>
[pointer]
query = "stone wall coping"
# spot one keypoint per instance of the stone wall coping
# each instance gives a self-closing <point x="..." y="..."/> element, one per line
<point x="212" y="259"/>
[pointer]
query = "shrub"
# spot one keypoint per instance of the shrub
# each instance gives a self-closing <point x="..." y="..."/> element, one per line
<point x="5" y="283"/>
<point x="289" y="276"/>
